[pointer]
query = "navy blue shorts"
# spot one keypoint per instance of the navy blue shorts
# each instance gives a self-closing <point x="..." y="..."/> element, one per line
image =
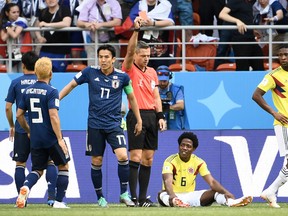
<point x="21" y="148"/>
<point x="96" y="140"/>
<point x="39" y="157"/>
<point x="148" y="139"/>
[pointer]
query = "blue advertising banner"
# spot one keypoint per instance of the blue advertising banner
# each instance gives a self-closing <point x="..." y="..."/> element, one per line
<point x="213" y="101"/>
<point x="244" y="161"/>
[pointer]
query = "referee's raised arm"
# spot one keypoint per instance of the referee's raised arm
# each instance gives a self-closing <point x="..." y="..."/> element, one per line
<point x="128" y="61"/>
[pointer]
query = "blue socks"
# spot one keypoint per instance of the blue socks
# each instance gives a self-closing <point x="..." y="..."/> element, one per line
<point x="31" y="179"/>
<point x="123" y="174"/>
<point x="62" y="184"/>
<point x="96" y="176"/>
<point x="19" y="177"/>
<point x="51" y="178"/>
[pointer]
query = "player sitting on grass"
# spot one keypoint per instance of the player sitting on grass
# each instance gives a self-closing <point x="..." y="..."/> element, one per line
<point x="179" y="173"/>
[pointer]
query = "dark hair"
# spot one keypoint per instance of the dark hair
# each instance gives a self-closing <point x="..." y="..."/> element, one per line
<point x="29" y="59"/>
<point x="283" y="46"/>
<point x="141" y="45"/>
<point x="191" y="136"/>
<point x="107" y="47"/>
<point x="3" y="17"/>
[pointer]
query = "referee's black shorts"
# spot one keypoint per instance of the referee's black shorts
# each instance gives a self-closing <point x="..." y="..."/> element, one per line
<point x="148" y="139"/>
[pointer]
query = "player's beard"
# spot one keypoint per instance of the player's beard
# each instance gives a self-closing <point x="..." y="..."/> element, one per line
<point x="284" y="65"/>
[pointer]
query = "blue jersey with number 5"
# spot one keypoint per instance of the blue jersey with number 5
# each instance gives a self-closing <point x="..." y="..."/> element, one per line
<point x="38" y="99"/>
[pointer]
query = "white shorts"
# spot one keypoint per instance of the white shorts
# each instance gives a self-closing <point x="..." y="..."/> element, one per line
<point x="281" y="133"/>
<point x="192" y="198"/>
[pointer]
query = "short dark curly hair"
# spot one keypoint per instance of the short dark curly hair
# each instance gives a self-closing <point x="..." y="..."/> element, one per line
<point x="191" y="136"/>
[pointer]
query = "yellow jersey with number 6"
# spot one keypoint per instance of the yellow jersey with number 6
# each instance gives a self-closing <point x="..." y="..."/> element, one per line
<point x="184" y="173"/>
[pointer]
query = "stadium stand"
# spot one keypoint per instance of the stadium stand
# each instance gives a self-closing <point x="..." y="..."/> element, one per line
<point x="202" y="50"/>
<point x="75" y="67"/>
<point x="226" y="67"/>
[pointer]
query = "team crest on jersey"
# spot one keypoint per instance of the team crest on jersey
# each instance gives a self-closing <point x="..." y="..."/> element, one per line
<point x="190" y="170"/>
<point x="115" y="84"/>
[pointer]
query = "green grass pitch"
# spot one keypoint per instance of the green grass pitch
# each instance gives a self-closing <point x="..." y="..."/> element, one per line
<point x="254" y="209"/>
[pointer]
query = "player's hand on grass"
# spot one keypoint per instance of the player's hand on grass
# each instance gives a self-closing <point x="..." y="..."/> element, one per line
<point x="176" y="202"/>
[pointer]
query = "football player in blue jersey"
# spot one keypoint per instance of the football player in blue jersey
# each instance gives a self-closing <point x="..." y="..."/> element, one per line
<point x="21" y="149"/>
<point x="106" y="85"/>
<point x="41" y="100"/>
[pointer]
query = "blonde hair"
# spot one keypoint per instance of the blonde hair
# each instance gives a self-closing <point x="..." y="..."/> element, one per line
<point x="43" y="68"/>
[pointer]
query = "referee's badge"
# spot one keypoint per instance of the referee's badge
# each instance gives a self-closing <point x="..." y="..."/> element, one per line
<point x="115" y="84"/>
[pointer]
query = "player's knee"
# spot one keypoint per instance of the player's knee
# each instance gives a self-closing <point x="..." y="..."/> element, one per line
<point x="160" y="196"/>
<point x="97" y="161"/>
<point x="147" y="158"/>
<point x="147" y="161"/>
<point x="50" y="162"/>
<point x="63" y="167"/>
<point x="207" y="198"/>
<point x="20" y="163"/>
<point x="122" y="158"/>
<point x="121" y="155"/>
<point x="135" y="155"/>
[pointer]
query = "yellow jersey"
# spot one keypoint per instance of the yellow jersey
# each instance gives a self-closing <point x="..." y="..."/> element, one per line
<point x="277" y="82"/>
<point x="184" y="173"/>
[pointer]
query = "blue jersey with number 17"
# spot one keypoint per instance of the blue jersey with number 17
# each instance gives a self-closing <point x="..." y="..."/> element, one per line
<point x="105" y="96"/>
<point x="38" y="99"/>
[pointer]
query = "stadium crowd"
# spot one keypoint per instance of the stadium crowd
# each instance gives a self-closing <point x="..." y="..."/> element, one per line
<point x="77" y="47"/>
